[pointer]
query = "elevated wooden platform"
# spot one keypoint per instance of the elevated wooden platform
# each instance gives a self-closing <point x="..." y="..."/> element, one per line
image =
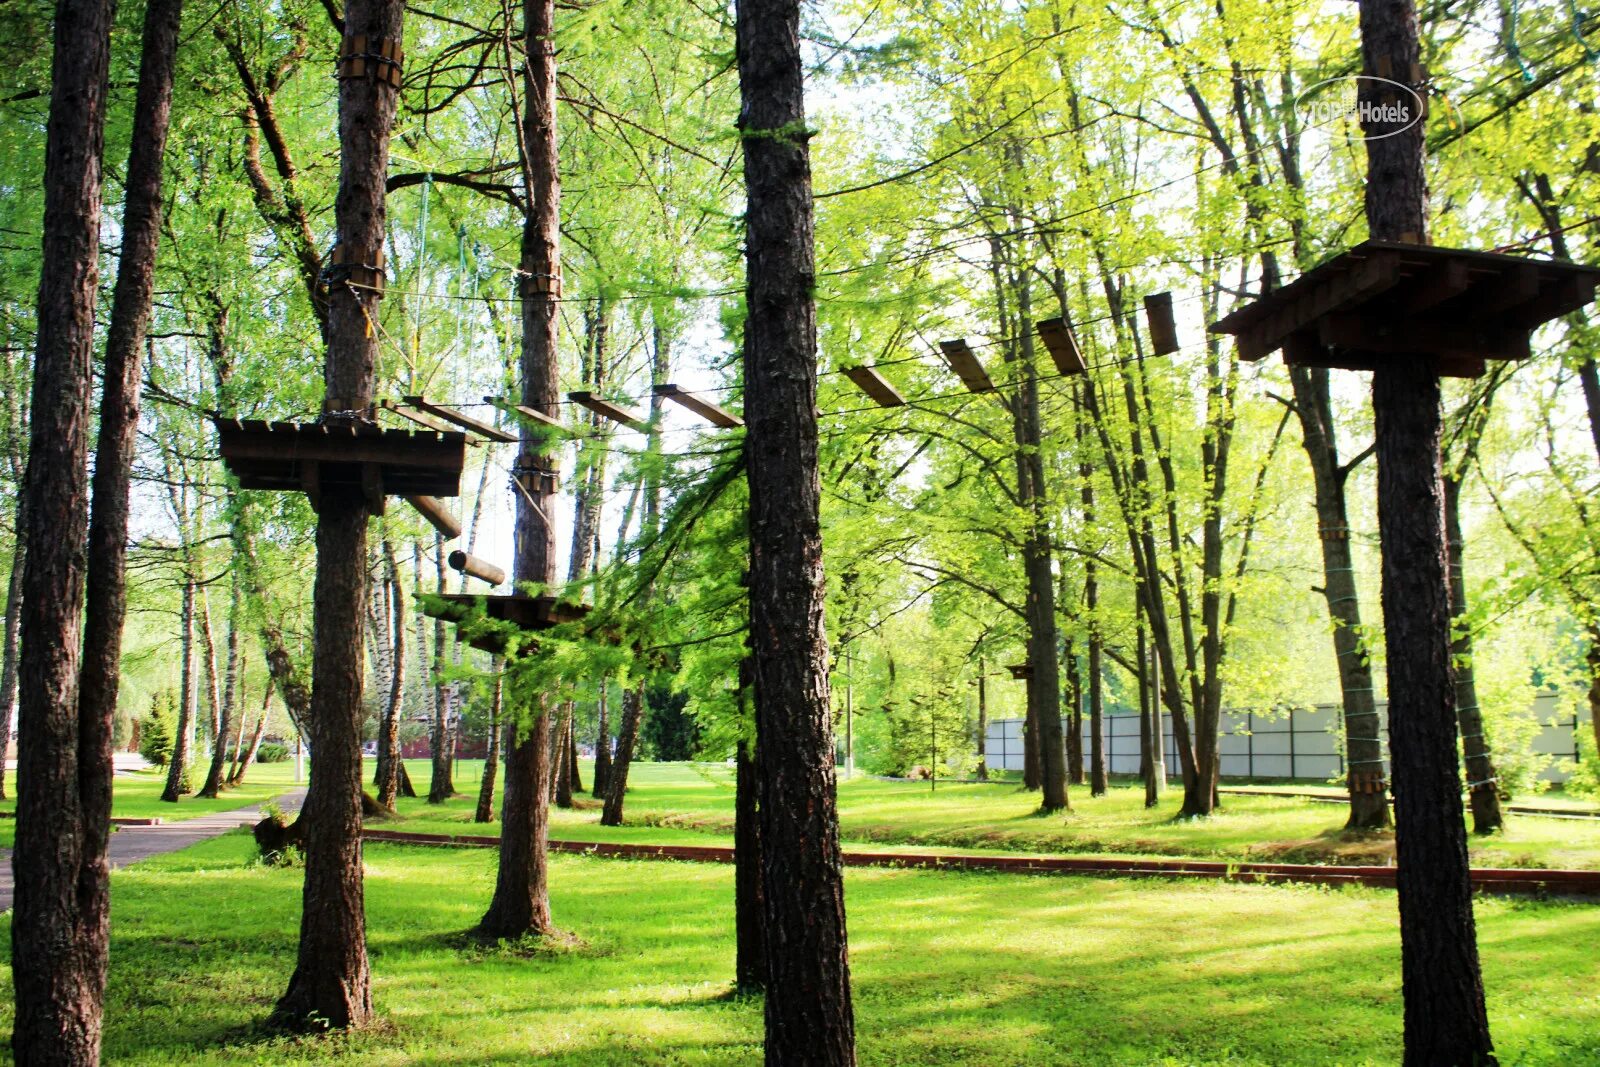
<point x="1382" y="299"/>
<point x="528" y="613"/>
<point x="318" y="458"/>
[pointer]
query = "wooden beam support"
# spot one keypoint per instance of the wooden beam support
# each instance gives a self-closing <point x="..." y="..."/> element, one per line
<point x="532" y="415"/>
<point x="875" y="385"/>
<point x="1062" y="345"/>
<point x="1163" y="328"/>
<point x="466" y="422"/>
<point x="607" y="410"/>
<point x="966" y="366"/>
<point x="713" y="414"/>
<point x="477" y="568"/>
<point x="438" y="516"/>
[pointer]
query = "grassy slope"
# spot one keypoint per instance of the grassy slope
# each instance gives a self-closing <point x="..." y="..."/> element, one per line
<point x="948" y="968"/>
<point x="693" y="803"/>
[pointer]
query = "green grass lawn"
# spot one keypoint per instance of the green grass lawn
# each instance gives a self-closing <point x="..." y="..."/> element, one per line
<point x="948" y="968"/>
<point x="693" y="803"/>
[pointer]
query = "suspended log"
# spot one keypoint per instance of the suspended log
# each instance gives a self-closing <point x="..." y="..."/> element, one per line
<point x="478" y="568"/>
<point x="438" y="516"/>
<point x="1163" y="329"/>
<point x="713" y="414"/>
<point x="466" y="422"/>
<point x="875" y="385"/>
<point x="607" y="410"/>
<point x="966" y="366"/>
<point x="422" y="418"/>
<point x="528" y="613"/>
<point x="1062" y="345"/>
<point x="533" y="415"/>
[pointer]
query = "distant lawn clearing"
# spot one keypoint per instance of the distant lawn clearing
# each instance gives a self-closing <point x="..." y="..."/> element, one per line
<point x="948" y="968"/>
<point x="683" y="803"/>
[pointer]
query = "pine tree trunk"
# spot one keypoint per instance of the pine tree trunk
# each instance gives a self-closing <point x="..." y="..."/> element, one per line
<point x="750" y="959"/>
<point x="491" y="758"/>
<point x="1073" y="702"/>
<point x="602" y="747"/>
<point x="1097" y="729"/>
<point x="574" y="778"/>
<point x="521" y="903"/>
<point x="1030" y="738"/>
<point x="331" y="985"/>
<point x="1445" y="1018"/>
<point x="627" y="737"/>
<point x="809" y="1017"/>
<point x="983" y="721"/>
<point x="59" y="923"/>
<point x="1483" y="782"/>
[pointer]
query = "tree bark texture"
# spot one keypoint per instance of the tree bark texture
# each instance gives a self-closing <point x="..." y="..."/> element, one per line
<point x="8" y="668"/>
<point x="1445" y="1019"/>
<point x="809" y="1017"/>
<point x="1364" y="771"/>
<point x="331" y="985"/>
<point x="627" y="738"/>
<point x="59" y="924"/>
<point x="750" y="962"/>
<point x="1483" y="781"/>
<point x="521" y="903"/>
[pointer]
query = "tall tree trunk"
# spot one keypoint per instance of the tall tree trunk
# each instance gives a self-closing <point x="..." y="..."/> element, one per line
<point x="1147" y="756"/>
<point x="331" y="984"/>
<point x="563" y="758"/>
<point x="1364" y="778"/>
<point x="1483" y="782"/>
<point x="809" y="1017"/>
<point x="8" y="671"/>
<point x="602" y="746"/>
<point x="574" y="778"/>
<point x="441" y="782"/>
<point x="390" y="766"/>
<point x="627" y="738"/>
<point x="242" y="765"/>
<point x="59" y="928"/>
<point x="983" y="721"/>
<point x="226" y="712"/>
<point x="1072" y="701"/>
<point x="750" y="956"/>
<point x="183" y="730"/>
<point x="521" y="903"/>
<point x="491" y="759"/>
<point x="1445" y="1019"/>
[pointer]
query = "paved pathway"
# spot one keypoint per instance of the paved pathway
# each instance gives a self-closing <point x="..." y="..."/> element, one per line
<point x="130" y="844"/>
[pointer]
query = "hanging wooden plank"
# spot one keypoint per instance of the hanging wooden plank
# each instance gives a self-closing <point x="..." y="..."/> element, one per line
<point x="533" y="415"/>
<point x="477" y="568"/>
<point x="875" y="385"/>
<point x="1163" y="328"/>
<point x="466" y="422"/>
<point x="607" y="410"/>
<point x="438" y="516"/>
<point x="713" y="414"/>
<point x="959" y="355"/>
<point x="1062" y="345"/>
<point x="422" y="418"/>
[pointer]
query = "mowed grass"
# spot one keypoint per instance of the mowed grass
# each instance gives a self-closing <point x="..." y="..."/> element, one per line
<point x="948" y="968"/>
<point x="675" y="803"/>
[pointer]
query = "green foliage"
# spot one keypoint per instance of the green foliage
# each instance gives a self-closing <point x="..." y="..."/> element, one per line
<point x="669" y="733"/>
<point x="273" y="752"/>
<point x="156" y="739"/>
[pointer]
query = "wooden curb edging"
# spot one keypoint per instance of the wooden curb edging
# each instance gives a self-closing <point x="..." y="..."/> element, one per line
<point x="1507" y="881"/>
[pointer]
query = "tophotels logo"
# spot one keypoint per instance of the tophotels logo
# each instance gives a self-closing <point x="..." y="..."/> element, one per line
<point x="1380" y="106"/>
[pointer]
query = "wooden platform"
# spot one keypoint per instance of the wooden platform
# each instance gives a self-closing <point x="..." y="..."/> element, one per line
<point x="529" y="613"/>
<point x="316" y="459"/>
<point x="1382" y="299"/>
